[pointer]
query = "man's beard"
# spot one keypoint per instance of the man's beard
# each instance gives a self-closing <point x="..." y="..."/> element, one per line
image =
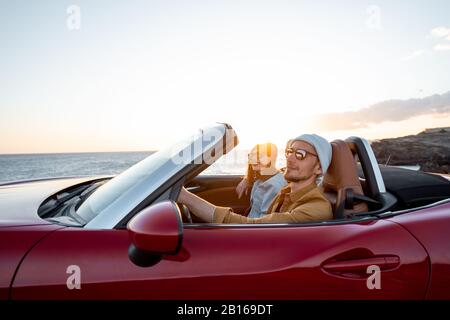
<point x="290" y="178"/>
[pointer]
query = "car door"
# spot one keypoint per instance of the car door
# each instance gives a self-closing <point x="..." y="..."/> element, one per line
<point x="430" y="226"/>
<point x="328" y="261"/>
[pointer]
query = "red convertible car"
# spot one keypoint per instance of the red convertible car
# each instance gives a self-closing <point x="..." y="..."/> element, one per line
<point x="125" y="237"/>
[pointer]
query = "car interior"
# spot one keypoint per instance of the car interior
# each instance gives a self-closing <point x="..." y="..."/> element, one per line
<point x="350" y="185"/>
<point x="348" y="194"/>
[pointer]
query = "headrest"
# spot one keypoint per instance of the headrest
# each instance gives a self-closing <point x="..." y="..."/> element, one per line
<point x="342" y="172"/>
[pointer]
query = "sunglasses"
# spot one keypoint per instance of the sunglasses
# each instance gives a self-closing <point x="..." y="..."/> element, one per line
<point x="300" y="154"/>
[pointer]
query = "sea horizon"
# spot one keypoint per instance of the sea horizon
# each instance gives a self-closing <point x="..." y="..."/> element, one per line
<point x="72" y="152"/>
<point x="29" y="166"/>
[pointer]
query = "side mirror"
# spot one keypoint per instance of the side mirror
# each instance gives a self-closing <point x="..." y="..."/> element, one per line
<point x="155" y="231"/>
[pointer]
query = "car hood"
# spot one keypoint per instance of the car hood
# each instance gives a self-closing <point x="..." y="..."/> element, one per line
<point x="19" y="201"/>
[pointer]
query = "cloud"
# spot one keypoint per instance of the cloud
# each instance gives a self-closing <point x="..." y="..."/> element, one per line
<point x="390" y="110"/>
<point x="444" y="34"/>
<point x="440" y="32"/>
<point x="413" y="55"/>
<point x="442" y="47"/>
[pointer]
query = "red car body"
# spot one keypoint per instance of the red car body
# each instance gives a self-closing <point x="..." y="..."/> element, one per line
<point x="234" y="262"/>
<point x="400" y="250"/>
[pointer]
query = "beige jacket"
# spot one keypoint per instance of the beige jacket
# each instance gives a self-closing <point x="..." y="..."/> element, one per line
<point x="306" y="205"/>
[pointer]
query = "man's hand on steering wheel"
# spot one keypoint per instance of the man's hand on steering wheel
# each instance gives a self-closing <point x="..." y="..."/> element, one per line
<point x="185" y="213"/>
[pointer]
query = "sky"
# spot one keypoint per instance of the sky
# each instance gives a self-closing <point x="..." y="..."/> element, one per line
<point x="104" y="75"/>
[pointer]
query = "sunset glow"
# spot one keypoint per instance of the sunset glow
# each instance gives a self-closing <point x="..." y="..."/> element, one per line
<point x="138" y="76"/>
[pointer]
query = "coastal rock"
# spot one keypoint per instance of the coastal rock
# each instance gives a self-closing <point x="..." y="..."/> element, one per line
<point x="429" y="149"/>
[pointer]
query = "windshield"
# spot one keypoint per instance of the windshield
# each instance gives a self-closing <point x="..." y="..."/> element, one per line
<point x="124" y="192"/>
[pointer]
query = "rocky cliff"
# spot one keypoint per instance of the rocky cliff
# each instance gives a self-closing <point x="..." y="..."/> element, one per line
<point x="430" y="149"/>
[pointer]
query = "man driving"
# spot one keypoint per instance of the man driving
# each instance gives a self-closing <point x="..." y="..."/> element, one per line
<point x="307" y="158"/>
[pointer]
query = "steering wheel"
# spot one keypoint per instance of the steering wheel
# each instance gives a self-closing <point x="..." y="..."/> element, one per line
<point x="185" y="213"/>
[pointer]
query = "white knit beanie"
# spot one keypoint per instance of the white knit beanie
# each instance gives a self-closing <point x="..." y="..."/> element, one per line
<point x="322" y="146"/>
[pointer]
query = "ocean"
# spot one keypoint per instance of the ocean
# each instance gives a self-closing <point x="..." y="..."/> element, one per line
<point x="14" y="167"/>
<point x="34" y="166"/>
